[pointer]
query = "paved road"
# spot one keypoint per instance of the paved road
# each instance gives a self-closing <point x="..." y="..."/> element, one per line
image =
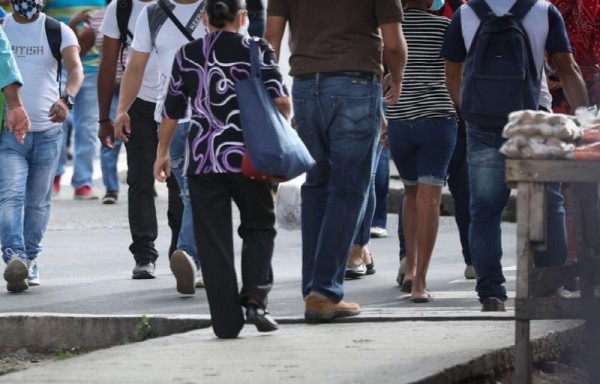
<point x="85" y="267"/>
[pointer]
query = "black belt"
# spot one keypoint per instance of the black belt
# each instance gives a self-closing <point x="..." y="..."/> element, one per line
<point x="354" y="74"/>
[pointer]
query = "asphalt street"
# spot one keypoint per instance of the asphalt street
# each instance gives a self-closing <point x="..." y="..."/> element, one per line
<point x="85" y="267"/>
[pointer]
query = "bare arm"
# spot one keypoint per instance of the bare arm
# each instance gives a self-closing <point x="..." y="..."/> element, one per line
<point x="571" y="79"/>
<point x="107" y="72"/>
<point x="284" y="106"/>
<point x="162" y="165"/>
<point x="130" y="87"/>
<point x="59" y="110"/>
<point x="17" y="120"/>
<point x="454" y="73"/>
<point x="274" y="32"/>
<point x="86" y="40"/>
<point x="394" y="53"/>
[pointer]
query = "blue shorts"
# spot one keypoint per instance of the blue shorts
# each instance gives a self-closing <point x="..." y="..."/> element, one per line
<point x="422" y="149"/>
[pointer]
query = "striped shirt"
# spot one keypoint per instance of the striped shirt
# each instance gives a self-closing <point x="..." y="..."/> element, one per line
<point x="424" y="92"/>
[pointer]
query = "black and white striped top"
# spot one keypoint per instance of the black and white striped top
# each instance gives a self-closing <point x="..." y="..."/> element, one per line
<point x="424" y="93"/>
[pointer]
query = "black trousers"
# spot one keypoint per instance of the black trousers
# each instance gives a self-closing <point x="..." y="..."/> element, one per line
<point x="141" y="154"/>
<point x="210" y="196"/>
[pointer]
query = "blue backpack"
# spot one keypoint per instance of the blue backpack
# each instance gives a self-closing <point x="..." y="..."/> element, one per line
<point x="500" y="75"/>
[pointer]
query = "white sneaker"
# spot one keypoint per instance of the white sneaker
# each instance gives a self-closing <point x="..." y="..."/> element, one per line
<point x="199" y="281"/>
<point x="184" y="270"/>
<point x="33" y="279"/>
<point x="15" y="275"/>
<point x="470" y="272"/>
<point x="378" y="232"/>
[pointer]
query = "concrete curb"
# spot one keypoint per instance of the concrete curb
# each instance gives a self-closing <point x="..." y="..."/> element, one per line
<point x="88" y="332"/>
<point x="546" y="348"/>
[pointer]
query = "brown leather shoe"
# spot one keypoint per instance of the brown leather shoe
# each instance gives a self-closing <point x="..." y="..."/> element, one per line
<point x="319" y="309"/>
<point x="492" y="304"/>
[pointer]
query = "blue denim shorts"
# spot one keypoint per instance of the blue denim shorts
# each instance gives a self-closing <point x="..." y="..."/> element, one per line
<point x="422" y="149"/>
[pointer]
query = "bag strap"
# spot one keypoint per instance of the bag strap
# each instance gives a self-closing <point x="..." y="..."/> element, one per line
<point x="481" y="9"/>
<point x="255" y="67"/>
<point x="175" y="21"/>
<point x="124" y="8"/>
<point x="54" y="36"/>
<point x="521" y="8"/>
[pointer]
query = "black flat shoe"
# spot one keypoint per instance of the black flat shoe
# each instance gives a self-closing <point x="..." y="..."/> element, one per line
<point x="371" y="267"/>
<point x="260" y="318"/>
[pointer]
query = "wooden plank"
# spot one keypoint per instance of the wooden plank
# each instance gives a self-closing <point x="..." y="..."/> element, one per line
<point x="555" y="308"/>
<point x="523" y="353"/>
<point x="552" y="171"/>
<point x="537" y="216"/>
<point x="546" y="279"/>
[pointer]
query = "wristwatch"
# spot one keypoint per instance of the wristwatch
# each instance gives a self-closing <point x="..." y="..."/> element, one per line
<point x="69" y="100"/>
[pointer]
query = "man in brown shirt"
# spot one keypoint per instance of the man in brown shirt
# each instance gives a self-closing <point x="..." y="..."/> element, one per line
<point x="336" y="63"/>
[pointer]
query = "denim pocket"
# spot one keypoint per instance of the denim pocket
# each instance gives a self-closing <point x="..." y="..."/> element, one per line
<point x="481" y="148"/>
<point x="354" y="117"/>
<point x="52" y="133"/>
<point x="303" y="127"/>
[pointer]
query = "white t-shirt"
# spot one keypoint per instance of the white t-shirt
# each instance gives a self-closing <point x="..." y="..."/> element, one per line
<point x="167" y="39"/>
<point x="110" y="28"/>
<point x="38" y="67"/>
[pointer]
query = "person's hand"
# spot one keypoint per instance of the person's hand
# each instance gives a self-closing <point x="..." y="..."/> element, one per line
<point x="106" y="134"/>
<point x="554" y="85"/>
<point x="80" y="17"/>
<point x="162" y="168"/>
<point x="58" y="111"/>
<point x="18" y="123"/>
<point x="122" y="127"/>
<point x="392" y="90"/>
<point x="383" y="136"/>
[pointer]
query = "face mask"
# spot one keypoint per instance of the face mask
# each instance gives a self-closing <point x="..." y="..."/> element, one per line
<point x="27" y="8"/>
<point x="437" y="5"/>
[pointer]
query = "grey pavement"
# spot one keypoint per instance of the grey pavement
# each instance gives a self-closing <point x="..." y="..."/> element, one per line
<point x="87" y="299"/>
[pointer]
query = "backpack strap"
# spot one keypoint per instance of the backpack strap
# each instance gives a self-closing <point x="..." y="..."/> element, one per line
<point x="124" y="8"/>
<point x="175" y="20"/>
<point x="521" y="8"/>
<point x="54" y="36"/>
<point x="481" y="9"/>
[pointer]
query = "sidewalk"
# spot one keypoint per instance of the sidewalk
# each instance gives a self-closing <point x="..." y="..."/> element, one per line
<point x="361" y="352"/>
<point x="87" y="300"/>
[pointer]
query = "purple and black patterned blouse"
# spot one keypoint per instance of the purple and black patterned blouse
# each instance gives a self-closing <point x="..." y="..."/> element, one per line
<point x="205" y="72"/>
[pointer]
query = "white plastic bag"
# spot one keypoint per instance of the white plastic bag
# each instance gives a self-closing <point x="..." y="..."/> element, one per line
<point x="288" y="203"/>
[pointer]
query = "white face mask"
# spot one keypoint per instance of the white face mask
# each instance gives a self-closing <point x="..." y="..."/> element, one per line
<point x="27" y="8"/>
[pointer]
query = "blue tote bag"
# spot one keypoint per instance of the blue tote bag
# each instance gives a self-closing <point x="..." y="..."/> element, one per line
<point x="274" y="147"/>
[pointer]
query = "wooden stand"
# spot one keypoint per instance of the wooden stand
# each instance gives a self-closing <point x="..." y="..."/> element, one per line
<point x="530" y="177"/>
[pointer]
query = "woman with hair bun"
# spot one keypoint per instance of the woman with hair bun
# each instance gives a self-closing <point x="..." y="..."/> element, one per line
<point x="205" y="72"/>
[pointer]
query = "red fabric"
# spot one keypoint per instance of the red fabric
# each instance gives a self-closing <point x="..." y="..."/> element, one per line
<point x="249" y="171"/>
<point x="582" y="19"/>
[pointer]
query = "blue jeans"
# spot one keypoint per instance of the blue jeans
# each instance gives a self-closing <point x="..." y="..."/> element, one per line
<point x="338" y="118"/>
<point x="186" y="240"/>
<point x="382" y="185"/>
<point x="489" y="196"/>
<point x="458" y="183"/>
<point x="110" y="157"/>
<point x="26" y="178"/>
<point x="422" y="149"/>
<point x="84" y="118"/>
<point x="364" y="229"/>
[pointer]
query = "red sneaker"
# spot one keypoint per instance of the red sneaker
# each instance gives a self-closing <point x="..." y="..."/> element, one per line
<point x="85" y="193"/>
<point x="56" y="186"/>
